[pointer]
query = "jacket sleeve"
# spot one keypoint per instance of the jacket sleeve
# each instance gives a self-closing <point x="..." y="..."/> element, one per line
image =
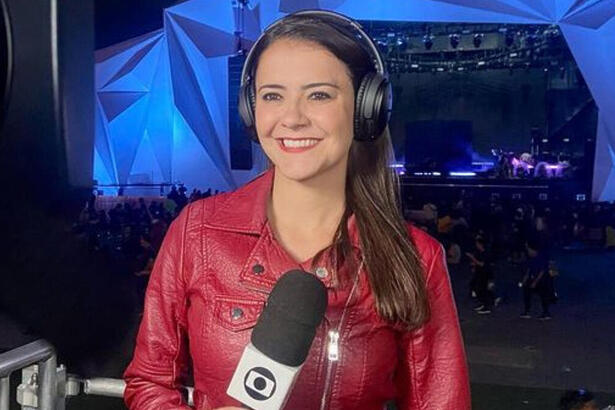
<point x="159" y="364"/>
<point x="433" y="372"/>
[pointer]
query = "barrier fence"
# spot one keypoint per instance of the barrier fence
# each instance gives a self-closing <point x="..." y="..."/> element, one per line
<point x="46" y="386"/>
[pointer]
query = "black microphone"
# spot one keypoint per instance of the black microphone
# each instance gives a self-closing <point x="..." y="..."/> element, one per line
<point x="280" y="342"/>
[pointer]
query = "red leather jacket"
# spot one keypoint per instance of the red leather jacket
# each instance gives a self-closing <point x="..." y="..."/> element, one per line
<point x="217" y="264"/>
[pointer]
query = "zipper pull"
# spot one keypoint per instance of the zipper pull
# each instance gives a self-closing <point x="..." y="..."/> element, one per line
<point x="333" y="348"/>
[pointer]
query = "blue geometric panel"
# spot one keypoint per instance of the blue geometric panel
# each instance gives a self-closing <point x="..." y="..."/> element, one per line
<point x="593" y="16"/>
<point x="210" y="41"/>
<point x="604" y="165"/>
<point x="133" y="61"/>
<point x="114" y="103"/>
<point x="162" y="98"/>
<point x="546" y="8"/>
<point x="159" y="122"/>
<point x="190" y="102"/>
<point x="104" y="157"/>
<point x="125" y="133"/>
<point x="497" y="6"/>
<point x="291" y="6"/>
<point x="127" y="82"/>
<point x="438" y="11"/>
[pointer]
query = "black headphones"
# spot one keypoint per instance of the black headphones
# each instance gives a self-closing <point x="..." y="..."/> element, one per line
<point x="373" y="100"/>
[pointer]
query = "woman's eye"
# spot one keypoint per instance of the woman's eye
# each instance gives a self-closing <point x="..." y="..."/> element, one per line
<point x="271" y="97"/>
<point x="319" y="95"/>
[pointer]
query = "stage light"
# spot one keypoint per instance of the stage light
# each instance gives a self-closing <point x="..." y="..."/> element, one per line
<point x="428" y="41"/>
<point x="477" y="40"/>
<point x="402" y="44"/>
<point x="454" y="40"/>
<point x="462" y="174"/>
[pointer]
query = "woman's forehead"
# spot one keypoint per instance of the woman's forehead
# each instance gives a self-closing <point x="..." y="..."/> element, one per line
<point x="299" y="61"/>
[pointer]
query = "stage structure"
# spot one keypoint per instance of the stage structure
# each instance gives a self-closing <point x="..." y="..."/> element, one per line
<point x="162" y="99"/>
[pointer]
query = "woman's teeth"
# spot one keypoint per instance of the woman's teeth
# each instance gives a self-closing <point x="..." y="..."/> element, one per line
<point x="299" y="143"/>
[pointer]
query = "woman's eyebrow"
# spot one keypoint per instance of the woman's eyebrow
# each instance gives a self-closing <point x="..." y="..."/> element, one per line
<point x="303" y="87"/>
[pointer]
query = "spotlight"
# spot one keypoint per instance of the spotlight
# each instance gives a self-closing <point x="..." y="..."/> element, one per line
<point x="428" y="41"/>
<point x="477" y="40"/>
<point x="454" y="40"/>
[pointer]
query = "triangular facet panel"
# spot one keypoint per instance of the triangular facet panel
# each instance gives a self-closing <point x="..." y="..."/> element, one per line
<point x="290" y="6"/>
<point x="114" y="103"/>
<point x="603" y="187"/>
<point x="146" y="69"/>
<point x="108" y="52"/>
<point x="545" y="8"/>
<point x="210" y="41"/>
<point x="191" y="104"/>
<point x="496" y="6"/>
<point x="593" y="16"/>
<point x="125" y="133"/>
<point x="432" y="11"/>
<point x="575" y="5"/>
<point x="219" y="15"/>
<point x="145" y="162"/>
<point x="128" y="82"/>
<point x="159" y="123"/>
<point x="133" y="61"/>
<point x="101" y="143"/>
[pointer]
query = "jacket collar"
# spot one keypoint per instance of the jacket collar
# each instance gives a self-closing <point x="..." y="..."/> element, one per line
<point x="245" y="209"/>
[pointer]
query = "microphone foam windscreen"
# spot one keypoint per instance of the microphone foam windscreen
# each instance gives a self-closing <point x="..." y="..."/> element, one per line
<point x="286" y="328"/>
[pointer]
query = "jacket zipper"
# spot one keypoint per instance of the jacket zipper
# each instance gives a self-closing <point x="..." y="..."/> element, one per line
<point x="333" y="344"/>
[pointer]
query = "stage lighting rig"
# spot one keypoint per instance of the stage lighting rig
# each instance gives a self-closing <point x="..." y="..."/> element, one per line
<point x="454" y="40"/>
<point x="477" y="40"/>
<point x="428" y="41"/>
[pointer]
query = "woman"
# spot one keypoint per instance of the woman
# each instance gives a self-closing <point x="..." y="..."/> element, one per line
<point x="327" y="205"/>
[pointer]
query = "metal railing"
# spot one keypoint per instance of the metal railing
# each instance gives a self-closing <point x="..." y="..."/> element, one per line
<point x="46" y="386"/>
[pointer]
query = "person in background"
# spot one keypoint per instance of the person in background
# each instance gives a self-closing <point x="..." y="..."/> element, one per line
<point x="482" y="267"/>
<point x="536" y="280"/>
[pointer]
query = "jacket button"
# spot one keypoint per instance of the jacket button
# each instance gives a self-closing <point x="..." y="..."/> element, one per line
<point x="322" y="272"/>
<point x="236" y="313"/>
<point x="258" y="269"/>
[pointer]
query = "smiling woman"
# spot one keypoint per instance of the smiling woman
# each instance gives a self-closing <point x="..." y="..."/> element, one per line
<point x="316" y="96"/>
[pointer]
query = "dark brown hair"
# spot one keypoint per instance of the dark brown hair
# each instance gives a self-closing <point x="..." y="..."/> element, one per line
<point x="393" y="265"/>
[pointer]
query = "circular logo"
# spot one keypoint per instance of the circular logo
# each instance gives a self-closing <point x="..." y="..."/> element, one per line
<point x="259" y="383"/>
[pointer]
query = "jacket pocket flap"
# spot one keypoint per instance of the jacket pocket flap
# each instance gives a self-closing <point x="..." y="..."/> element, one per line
<point x="237" y="314"/>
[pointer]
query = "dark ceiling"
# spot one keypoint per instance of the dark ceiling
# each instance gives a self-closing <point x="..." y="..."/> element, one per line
<point x="119" y="20"/>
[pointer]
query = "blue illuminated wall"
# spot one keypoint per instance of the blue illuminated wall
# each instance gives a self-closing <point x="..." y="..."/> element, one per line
<point x="162" y="104"/>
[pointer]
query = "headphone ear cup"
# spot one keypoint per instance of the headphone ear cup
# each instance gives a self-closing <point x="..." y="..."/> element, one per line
<point x="372" y="107"/>
<point x="246" y="110"/>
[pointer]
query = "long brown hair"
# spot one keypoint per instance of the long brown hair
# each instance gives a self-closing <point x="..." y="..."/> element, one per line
<point x="393" y="265"/>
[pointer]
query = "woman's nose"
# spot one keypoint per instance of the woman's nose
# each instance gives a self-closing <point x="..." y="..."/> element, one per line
<point x="294" y="116"/>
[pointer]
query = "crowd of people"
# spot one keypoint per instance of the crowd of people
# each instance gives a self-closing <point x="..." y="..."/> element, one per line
<point x="479" y="233"/>
<point x="130" y="234"/>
